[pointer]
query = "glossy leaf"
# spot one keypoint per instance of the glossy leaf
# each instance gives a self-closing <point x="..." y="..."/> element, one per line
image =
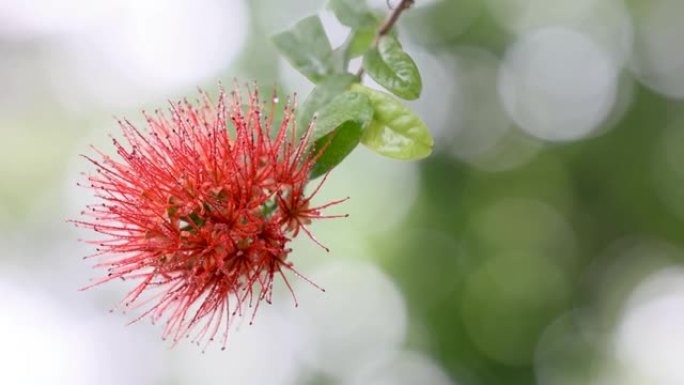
<point x="347" y="106"/>
<point x="337" y="145"/>
<point x="395" y="131"/>
<point x="307" y="48"/>
<point x="322" y="94"/>
<point x="338" y="130"/>
<point x="393" y="68"/>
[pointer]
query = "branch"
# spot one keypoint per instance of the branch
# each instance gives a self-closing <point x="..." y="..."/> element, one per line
<point x="386" y="27"/>
<point x="393" y="17"/>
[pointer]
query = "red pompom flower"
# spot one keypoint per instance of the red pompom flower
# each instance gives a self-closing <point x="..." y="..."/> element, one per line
<point x="199" y="210"/>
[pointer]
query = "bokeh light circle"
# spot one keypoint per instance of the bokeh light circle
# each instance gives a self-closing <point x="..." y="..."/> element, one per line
<point x="658" y="62"/>
<point x="403" y="368"/>
<point x="148" y="48"/>
<point x="650" y="337"/>
<point x="361" y="316"/>
<point x="557" y="84"/>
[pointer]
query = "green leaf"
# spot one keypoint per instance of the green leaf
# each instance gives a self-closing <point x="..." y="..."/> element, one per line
<point x="357" y="43"/>
<point x="336" y="145"/>
<point x="307" y="48"/>
<point x="393" y="68"/>
<point x="338" y="130"/>
<point x="347" y="106"/>
<point x="322" y="94"/>
<point x="395" y="131"/>
<point x="364" y="26"/>
<point x="352" y="13"/>
<point x="361" y="40"/>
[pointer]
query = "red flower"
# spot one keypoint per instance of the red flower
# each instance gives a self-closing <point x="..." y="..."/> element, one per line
<point x="199" y="209"/>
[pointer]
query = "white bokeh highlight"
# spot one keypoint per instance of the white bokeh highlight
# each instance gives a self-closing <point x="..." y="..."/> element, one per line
<point x="557" y="85"/>
<point x="479" y="131"/>
<point x="441" y="104"/>
<point x="45" y="342"/>
<point x="149" y="48"/>
<point x="360" y="317"/>
<point x="649" y="339"/>
<point x="266" y="352"/>
<point x="403" y="368"/>
<point x="607" y="22"/>
<point x="26" y="20"/>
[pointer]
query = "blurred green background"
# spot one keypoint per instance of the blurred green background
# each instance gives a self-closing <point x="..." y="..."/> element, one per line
<point x="541" y="243"/>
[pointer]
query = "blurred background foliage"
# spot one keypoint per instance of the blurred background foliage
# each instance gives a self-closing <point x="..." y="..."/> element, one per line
<point x="540" y="243"/>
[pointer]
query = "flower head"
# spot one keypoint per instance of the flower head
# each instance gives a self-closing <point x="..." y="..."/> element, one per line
<point x="199" y="210"/>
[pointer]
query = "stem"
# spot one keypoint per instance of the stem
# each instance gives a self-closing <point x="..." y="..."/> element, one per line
<point x="393" y="17"/>
<point x="388" y="24"/>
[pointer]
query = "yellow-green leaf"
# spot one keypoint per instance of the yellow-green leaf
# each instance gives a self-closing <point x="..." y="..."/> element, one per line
<point x="395" y="131"/>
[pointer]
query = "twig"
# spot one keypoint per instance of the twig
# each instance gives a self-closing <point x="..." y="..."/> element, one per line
<point x="393" y="17"/>
<point x="386" y="27"/>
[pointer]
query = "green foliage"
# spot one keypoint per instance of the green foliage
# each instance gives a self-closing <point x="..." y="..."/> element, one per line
<point x="339" y="127"/>
<point x="357" y="43"/>
<point x="307" y="48"/>
<point x="361" y="41"/>
<point x="322" y="94"/>
<point x="393" y="68"/>
<point x="363" y="23"/>
<point x="336" y="145"/>
<point x="347" y="106"/>
<point x="395" y="131"/>
<point x="352" y="13"/>
<point x="343" y="117"/>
